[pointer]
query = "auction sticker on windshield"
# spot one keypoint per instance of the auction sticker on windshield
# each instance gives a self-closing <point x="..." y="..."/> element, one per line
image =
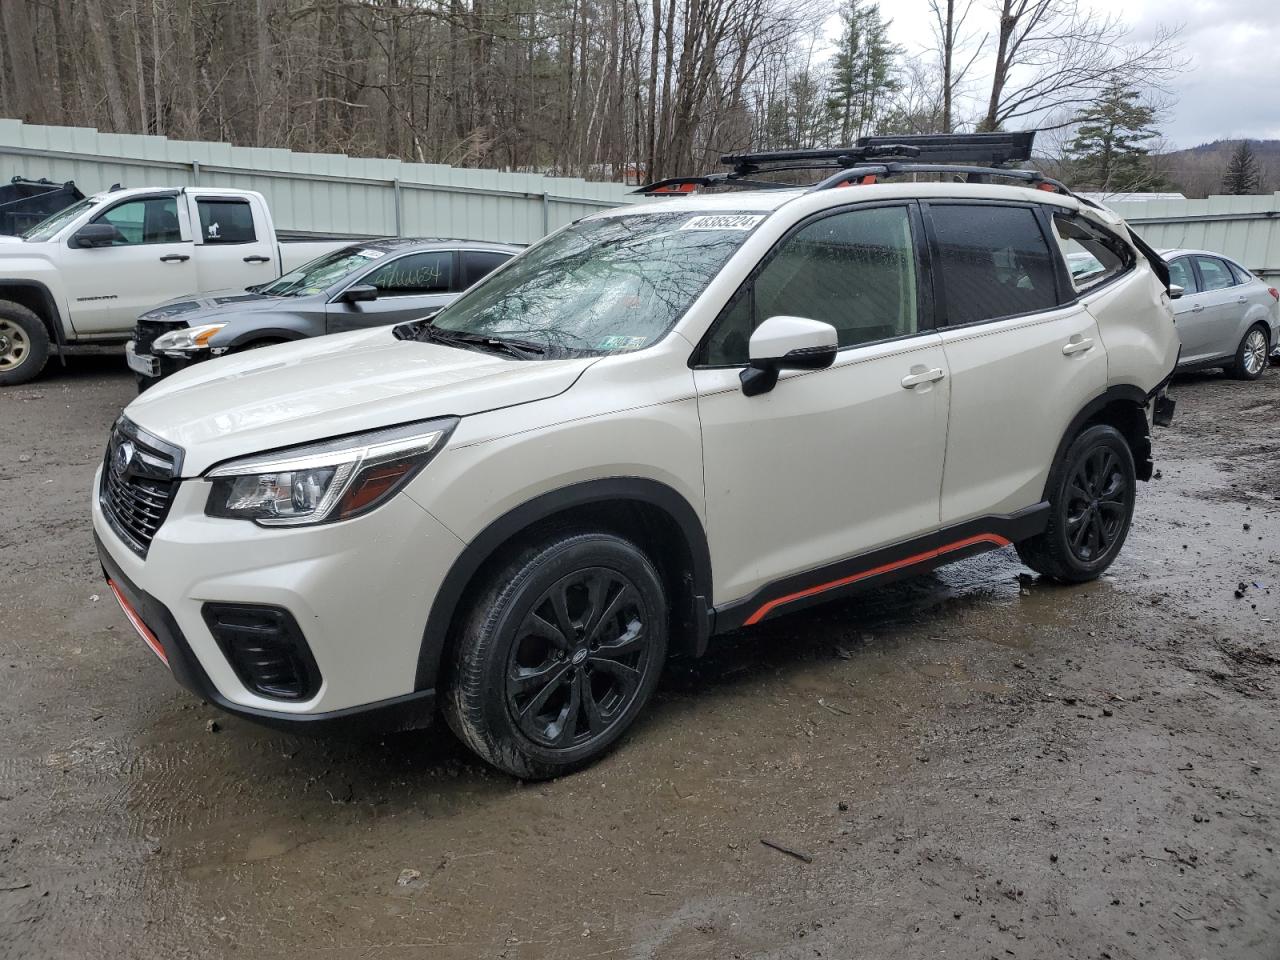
<point x="723" y="221"/>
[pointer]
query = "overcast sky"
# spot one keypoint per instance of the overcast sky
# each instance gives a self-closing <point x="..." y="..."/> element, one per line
<point x="1231" y="87"/>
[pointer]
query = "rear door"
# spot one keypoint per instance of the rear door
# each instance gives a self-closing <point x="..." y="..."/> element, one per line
<point x="149" y="262"/>
<point x="1023" y="352"/>
<point x="232" y="250"/>
<point x="409" y="287"/>
<point x="1220" y="324"/>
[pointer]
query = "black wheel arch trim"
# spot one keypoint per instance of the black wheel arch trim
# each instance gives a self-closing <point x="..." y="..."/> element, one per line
<point x="489" y="541"/>
<point x="1124" y="392"/>
<point x="51" y="316"/>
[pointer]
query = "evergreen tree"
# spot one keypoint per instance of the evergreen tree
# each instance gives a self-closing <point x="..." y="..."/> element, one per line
<point x="1108" y="151"/>
<point x="864" y="73"/>
<point x="1242" y="174"/>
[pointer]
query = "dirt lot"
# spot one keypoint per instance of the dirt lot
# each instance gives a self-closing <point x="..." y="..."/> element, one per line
<point x="973" y="764"/>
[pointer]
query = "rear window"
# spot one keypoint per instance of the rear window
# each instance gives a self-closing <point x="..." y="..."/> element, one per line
<point x="226" y="221"/>
<point x="994" y="262"/>
<point x="1093" y="256"/>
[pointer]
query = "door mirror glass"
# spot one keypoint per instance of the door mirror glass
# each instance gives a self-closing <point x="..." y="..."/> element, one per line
<point x="360" y="293"/>
<point x="97" y="235"/>
<point x="787" y="343"/>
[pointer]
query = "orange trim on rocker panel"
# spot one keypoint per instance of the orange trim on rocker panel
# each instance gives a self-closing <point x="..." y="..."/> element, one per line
<point x="994" y="539"/>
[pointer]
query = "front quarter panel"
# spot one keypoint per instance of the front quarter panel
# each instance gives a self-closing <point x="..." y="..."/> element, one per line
<point x="627" y="416"/>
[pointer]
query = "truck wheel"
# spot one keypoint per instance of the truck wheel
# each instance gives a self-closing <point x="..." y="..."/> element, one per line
<point x="560" y="653"/>
<point x="1091" y="497"/>
<point x="24" y="344"/>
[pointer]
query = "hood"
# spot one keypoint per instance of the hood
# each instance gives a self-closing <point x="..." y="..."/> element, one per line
<point x="9" y="238"/>
<point x="314" y="389"/>
<point x="204" y="307"/>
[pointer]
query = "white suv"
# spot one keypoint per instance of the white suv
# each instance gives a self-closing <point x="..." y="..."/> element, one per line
<point x="661" y="423"/>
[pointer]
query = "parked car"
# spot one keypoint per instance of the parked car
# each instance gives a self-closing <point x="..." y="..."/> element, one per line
<point x="363" y="285"/>
<point x="1226" y="316"/>
<point x="663" y="422"/>
<point x="81" y="277"/>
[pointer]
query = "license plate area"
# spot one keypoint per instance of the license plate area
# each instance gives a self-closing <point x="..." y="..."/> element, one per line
<point x="147" y="366"/>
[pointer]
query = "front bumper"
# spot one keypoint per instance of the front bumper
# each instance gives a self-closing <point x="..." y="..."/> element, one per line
<point x="359" y="590"/>
<point x="409" y="711"/>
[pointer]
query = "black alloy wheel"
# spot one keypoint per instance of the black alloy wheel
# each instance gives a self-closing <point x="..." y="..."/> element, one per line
<point x="1091" y="493"/>
<point x="1098" y="503"/>
<point x="578" y="658"/>
<point x="559" y="653"/>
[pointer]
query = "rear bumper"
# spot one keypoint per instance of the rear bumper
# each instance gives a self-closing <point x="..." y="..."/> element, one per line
<point x="164" y="636"/>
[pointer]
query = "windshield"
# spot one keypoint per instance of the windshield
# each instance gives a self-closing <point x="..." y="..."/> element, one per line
<point x="602" y="286"/>
<point x="321" y="273"/>
<point x="45" y="229"/>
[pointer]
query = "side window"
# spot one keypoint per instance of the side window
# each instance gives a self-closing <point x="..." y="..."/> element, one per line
<point x="1093" y="256"/>
<point x="414" y="275"/>
<point x="226" y="221"/>
<point x="154" y="220"/>
<point x="855" y="270"/>
<point x="476" y="264"/>
<point x="993" y="260"/>
<point x="1240" y="273"/>
<point x="1180" y="272"/>
<point x="1214" y="274"/>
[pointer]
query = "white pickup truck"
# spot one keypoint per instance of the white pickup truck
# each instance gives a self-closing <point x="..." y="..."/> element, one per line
<point x="80" y="278"/>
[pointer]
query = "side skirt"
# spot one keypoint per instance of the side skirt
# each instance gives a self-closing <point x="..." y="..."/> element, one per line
<point x="885" y="565"/>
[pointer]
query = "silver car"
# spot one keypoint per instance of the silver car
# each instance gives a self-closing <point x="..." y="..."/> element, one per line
<point x="1226" y="316"/>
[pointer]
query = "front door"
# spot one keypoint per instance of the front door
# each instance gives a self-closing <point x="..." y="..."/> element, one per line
<point x="830" y="464"/>
<point x="148" y="263"/>
<point x="408" y="287"/>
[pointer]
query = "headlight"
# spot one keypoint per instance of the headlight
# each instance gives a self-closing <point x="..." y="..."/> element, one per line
<point x="328" y="481"/>
<point x="186" y="340"/>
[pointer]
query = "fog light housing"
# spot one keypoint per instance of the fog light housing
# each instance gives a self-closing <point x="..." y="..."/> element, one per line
<point x="265" y="648"/>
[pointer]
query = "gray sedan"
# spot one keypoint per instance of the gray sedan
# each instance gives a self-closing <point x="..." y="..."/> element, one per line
<point x="367" y="284"/>
<point x="1226" y="316"/>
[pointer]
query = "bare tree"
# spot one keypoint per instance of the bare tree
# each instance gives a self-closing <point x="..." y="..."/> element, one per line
<point x="1051" y="55"/>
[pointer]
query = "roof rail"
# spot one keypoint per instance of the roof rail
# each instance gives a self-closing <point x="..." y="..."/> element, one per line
<point x="973" y="154"/>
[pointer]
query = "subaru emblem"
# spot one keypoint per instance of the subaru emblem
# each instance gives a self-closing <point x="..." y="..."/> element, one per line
<point x="124" y="456"/>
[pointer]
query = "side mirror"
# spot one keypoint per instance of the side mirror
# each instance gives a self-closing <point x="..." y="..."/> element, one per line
<point x="360" y="293"/>
<point x="95" y="235"/>
<point x="1175" y="291"/>
<point x="787" y="343"/>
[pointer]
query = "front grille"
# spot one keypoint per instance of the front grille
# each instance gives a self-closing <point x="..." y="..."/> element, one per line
<point x="265" y="647"/>
<point x="146" y="331"/>
<point x="139" y="477"/>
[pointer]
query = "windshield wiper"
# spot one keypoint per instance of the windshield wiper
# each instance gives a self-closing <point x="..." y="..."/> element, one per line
<point x="425" y="330"/>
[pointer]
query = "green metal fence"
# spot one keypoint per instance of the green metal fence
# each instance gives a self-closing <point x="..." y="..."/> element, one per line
<point x="315" y="192"/>
<point x="1247" y="229"/>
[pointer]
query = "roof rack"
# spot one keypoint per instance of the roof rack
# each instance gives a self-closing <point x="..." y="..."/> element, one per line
<point x="976" y="156"/>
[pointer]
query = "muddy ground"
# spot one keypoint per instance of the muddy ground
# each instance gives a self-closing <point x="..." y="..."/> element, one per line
<point x="973" y="764"/>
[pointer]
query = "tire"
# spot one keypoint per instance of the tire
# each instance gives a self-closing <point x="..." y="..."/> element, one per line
<point x="1091" y="500"/>
<point x="527" y="684"/>
<point x="1251" y="355"/>
<point x="24" y="344"/>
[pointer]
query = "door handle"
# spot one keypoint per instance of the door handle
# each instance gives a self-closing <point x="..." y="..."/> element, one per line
<point x="174" y="258"/>
<point x="1197" y="308"/>
<point x="257" y="258"/>
<point x="926" y="376"/>
<point x="1077" y="344"/>
<point x="1242" y="299"/>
